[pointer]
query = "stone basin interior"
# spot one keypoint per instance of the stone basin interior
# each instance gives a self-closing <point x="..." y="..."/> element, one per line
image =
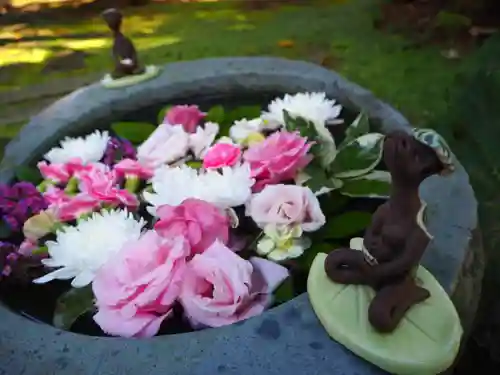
<point x="37" y="302"/>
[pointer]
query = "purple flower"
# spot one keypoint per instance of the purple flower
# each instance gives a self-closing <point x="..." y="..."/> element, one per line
<point x="19" y="202"/>
<point x="8" y="258"/>
<point x="118" y="149"/>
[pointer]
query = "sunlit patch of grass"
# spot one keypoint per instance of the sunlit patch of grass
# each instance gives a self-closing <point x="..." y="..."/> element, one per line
<point x="14" y="55"/>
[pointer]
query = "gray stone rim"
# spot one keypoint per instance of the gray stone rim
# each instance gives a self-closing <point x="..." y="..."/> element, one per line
<point x="245" y="347"/>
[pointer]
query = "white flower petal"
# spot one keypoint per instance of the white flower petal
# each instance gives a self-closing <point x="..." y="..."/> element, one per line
<point x="89" y="149"/>
<point x="230" y="187"/>
<point x="312" y="106"/>
<point x="60" y="274"/>
<point x="82" y="250"/>
<point x="265" y="246"/>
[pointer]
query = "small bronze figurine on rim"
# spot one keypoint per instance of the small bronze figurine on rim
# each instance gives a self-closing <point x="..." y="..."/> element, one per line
<point x="124" y="52"/>
<point x="374" y="297"/>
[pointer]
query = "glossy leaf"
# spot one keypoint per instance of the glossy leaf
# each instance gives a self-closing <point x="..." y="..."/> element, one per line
<point x="284" y="292"/>
<point x="29" y="174"/>
<point x="163" y="113"/>
<point x="359" y="156"/>
<point x="316" y="177"/>
<point x="332" y="203"/>
<point x="135" y="132"/>
<point x="376" y="184"/>
<point x="216" y="114"/>
<point x="307" y="258"/>
<point x="300" y="124"/>
<point x="346" y="225"/>
<point x="71" y="305"/>
<point x="248" y="112"/>
<point x="358" y="127"/>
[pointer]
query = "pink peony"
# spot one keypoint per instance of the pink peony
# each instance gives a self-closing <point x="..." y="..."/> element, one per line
<point x="221" y="155"/>
<point x="55" y="196"/>
<point x="200" y="222"/>
<point x="278" y="158"/>
<point x="286" y="205"/>
<point x="101" y="184"/>
<point x="55" y="172"/>
<point x="189" y="116"/>
<point x="132" y="168"/>
<point x="221" y="288"/>
<point x="136" y="289"/>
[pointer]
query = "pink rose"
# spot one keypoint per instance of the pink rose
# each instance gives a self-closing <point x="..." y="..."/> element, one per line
<point x="55" y="172"/>
<point x="221" y="155"/>
<point x="200" y="222"/>
<point x="286" y="205"/>
<point x="101" y="184"/>
<point x="168" y="143"/>
<point x="189" y="116"/>
<point x="136" y="289"/>
<point x="278" y="158"/>
<point x="132" y="168"/>
<point x="221" y="288"/>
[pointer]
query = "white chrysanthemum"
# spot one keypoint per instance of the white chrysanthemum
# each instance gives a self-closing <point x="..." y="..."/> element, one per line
<point x="89" y="149"/>
<point x="172" y="185"/>
<point x="242" y="129"/>
<point x="80" y="251"/>
<point x="312" y="106"/>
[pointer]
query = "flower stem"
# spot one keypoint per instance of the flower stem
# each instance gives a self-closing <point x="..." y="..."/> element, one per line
<point x="132" y="183"/>
<point x="72" y="186"/>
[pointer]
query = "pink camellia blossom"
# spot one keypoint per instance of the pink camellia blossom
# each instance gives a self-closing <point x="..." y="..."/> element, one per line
<point x="101" y="184"/>
<point x="55" y="172"/>
<point x="221" y="155"/>
<point x="200" y="222"/>
<point x="278" y="158"/>
<point x="221" y="288"/>
<point x="132" y="168"/>
<point x="286" y="205"/>
<point x="189" y="116"/>
<point x="135" y="290"/>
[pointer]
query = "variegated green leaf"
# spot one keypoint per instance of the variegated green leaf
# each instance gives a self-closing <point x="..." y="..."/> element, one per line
<point x="358" y="127"/>
<point x="376" y="184"/>
<point x="358" y="157"/>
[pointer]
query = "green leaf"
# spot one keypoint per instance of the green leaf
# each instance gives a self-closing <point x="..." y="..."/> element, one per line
<point x="5" y="231"/>
<point x="317" y="177"/>
<point x="347" y="224"/>
<point x="163" y="113"/>
<point x="358" y="127"/>
<point x="300" y="124"/>
<point x="284" y="292"/>
<point x="248" y="112"/>
<point x="29" y="174"/>
<point x="307" y="258"/>
<point x="376" y="184"/>
<point x="358" y="157"/>
<point x="71" y="305"/>
<point x="135" y="132"/>
<point x="216" y="114"/>
<point x="332" y="203"/>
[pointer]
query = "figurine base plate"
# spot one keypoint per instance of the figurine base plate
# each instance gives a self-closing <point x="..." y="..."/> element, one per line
<point x="426" y="342"/>
<point x="109" y="82"/>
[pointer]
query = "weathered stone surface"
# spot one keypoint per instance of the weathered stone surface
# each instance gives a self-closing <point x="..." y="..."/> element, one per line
<point x="285" y="340"/>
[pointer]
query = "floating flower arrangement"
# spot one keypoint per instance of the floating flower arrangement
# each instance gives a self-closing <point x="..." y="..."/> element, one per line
<point x="210" y="217"/>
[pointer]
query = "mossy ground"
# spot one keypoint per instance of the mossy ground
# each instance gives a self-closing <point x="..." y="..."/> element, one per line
<point x="458" y="97"/>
